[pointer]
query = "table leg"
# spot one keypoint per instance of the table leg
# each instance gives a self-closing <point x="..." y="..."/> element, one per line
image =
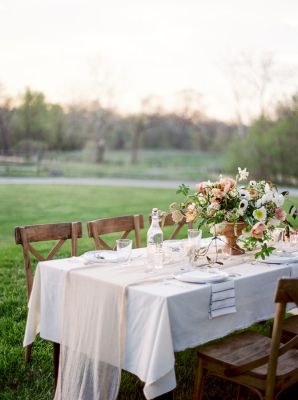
<point x="56" y="356"/>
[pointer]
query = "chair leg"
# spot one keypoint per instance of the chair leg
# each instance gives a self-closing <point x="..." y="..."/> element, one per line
<point x="238" y="392"/>
<point x="199" y="381"/>
<point x="56" y="357"/>
<point x="28" y="351"/>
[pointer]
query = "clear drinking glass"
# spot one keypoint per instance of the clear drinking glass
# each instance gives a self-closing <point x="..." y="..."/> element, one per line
<point x="193" y="245"/>
<point x="278" y="236"/>
<point x="124" y="248"/>
<point x="294" y="239"/>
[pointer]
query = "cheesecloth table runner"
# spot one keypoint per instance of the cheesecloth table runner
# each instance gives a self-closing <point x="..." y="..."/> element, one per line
<point x="93" y="329"/>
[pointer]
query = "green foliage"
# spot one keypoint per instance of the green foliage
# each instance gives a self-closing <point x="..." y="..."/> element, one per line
<point x="268" y="149"/>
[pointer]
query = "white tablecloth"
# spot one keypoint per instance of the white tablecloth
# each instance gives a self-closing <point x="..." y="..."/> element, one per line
<point x="162" y="317"/>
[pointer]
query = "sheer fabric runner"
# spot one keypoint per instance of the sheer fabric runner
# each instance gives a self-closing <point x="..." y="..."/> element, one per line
<point x="91" y="359"/>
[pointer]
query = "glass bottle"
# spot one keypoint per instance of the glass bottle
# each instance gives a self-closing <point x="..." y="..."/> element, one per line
<point x="154" y="242"/>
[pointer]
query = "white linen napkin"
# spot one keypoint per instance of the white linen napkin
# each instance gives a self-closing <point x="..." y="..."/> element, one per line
<point x="222" y="299"/>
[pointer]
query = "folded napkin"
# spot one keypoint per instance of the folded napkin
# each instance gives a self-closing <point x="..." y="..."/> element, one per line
<point x="283" y="258"/>
<point x="222" y="299"/>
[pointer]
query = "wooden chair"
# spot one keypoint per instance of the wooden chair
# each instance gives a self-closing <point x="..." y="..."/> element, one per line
<point x="250" y="359"/>
<point x="125" y="224"/>
<point x="167" y="220"/>
<point x="25" y="235"/>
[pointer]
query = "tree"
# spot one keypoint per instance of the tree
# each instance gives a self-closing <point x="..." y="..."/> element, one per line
<point x="6" y="114"/>
<point x="268" y="148"/>
<point x="32" y="123"/>
<point x="250" y="78"/>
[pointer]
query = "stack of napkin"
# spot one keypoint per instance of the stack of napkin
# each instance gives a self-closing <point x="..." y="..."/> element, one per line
<point x="222" y="300"/>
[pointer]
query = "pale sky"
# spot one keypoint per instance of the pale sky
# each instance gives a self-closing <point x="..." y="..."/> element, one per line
<point x="68" y="48"/>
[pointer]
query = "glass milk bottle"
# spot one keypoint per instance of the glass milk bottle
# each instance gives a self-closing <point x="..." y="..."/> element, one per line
<point x="154" y="242"/>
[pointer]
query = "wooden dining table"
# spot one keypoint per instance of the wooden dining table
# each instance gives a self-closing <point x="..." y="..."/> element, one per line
<point x="163" y="315"/>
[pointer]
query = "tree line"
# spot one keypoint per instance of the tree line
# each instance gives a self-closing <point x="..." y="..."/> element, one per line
<point x="36" y="126"/>
<point x="268" y="146"/>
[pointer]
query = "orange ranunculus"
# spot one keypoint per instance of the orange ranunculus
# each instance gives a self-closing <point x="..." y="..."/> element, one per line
<point x="252" y="192"/>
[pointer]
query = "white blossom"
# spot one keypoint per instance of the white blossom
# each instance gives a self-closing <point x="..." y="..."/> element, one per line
<point x="243" y="174"/>
<point x="260" y="214"/>
<point x="242" y="207"/>
<point x="278" y="199"/>
<point x="244" y="194"/>
<point x="273" y="222"/>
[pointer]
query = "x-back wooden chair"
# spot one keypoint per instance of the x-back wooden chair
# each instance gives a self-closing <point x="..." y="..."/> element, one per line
<point x="124" y="224"/>
<point x="264" y="365"/>
<point x="26" y="235"/>
<point x="167" y="220"/>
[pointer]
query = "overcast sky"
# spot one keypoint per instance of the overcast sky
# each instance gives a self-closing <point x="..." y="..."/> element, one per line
<point x="68" y="48"/>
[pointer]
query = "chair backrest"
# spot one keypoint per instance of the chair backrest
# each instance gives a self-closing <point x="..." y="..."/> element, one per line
<point x="25" y="235"/>
<point x="286" y="292"/>
<point x="125" y="224"/>
<point x="167" y="220"/>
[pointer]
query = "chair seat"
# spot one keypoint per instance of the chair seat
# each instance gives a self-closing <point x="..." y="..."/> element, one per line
<point x="290" y="327"/>
<point x="245" y="347"/>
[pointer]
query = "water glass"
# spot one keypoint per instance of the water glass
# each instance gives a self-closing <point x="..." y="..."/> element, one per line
<point x="124" y="248"/>
<point x="294" y="239"/>
<point x="193" y="244"/>
<point x="278" y="236"/>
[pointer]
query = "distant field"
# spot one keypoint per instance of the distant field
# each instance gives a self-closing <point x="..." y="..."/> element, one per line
<point x="33" y="204"/>
<point x="153" y="164"/>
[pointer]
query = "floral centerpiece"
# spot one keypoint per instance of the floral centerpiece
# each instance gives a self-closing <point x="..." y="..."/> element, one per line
<point x="255" y="208"/>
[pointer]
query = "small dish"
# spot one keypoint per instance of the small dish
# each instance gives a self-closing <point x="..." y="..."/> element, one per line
<point x="204" y="276"/>
<point x="101" y="256"/>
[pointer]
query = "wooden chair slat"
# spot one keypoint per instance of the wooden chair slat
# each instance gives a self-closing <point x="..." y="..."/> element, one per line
<point x="47" y="232"/>
<point x="36" y="253"/>
<point x="55" y="249"/>
<point x="102" y="244"/>
<point x="125" y="225"/>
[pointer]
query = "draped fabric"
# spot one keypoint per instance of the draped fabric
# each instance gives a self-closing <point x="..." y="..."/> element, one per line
<point x="92" y="358"/>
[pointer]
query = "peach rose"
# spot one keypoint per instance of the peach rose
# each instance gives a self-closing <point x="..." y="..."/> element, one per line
<point x="258" y="230"/>
<point x="201" y="187"/>
<point x="217" y="193"/>
<point x="228" y="184"/>
<point x="280" y="214"/>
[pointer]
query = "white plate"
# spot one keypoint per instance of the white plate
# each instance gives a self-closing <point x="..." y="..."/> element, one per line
<point x="101" y="256"/>
<point x="111" y="256"/>
<point x="175" y="245"/>
<point x="284" y="258"/>
<point x="201" y="276"/>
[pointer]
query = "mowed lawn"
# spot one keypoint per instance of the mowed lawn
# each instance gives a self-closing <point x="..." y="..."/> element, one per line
<point x="34" y="204"/>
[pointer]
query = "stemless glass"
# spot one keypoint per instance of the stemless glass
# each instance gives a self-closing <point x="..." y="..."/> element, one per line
<point x="124" y="248"/>
<point x="294" y="240"/>
<point x="278" y="236"/>
<point x="193" y="244"/>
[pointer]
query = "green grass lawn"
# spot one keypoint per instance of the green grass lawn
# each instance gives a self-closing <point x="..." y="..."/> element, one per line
<point x="21" y="205"/>
<point x="153" y="164"/>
